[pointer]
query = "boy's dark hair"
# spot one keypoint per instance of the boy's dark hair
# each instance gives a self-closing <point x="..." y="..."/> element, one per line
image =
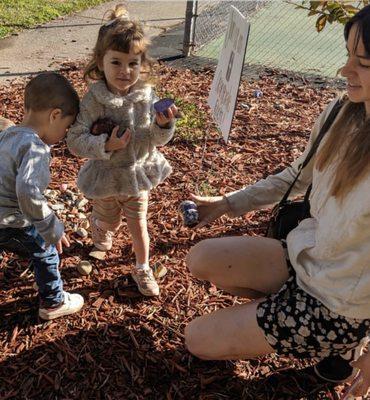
<point x="51" y="90"/>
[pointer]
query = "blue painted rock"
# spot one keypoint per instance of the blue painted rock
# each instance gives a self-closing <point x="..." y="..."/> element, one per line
<point x="190" y="213"/>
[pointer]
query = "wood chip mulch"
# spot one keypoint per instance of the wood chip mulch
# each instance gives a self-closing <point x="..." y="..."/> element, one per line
<point x="124" y="346"/>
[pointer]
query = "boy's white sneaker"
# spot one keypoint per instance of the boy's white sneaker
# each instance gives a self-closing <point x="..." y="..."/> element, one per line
<point x="73" y="303"/>
<point x="145" y="281"/>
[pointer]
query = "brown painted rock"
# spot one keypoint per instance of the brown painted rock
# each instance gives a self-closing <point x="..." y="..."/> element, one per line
<point x="102" y="125"/>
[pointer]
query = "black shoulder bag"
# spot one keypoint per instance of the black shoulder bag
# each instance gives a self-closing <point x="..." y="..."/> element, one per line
<point x="287" y="214"/>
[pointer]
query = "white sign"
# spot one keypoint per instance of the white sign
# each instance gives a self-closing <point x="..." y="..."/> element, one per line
<point x="225" y="85"/>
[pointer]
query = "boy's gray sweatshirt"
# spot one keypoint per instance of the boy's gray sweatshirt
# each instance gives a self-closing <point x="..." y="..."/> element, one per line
<point x="24" y="175"/>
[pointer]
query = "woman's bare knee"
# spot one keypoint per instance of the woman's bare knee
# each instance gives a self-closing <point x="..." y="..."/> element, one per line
<point x="198" y="259"/>
<point x="194" y="340"/>
<point x="227" y="334"/>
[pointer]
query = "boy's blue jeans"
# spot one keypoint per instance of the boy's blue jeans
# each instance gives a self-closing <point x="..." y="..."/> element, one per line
<point x="45" y="261"/>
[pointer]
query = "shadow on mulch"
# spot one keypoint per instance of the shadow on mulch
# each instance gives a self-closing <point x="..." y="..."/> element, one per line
<point x="83" y="364"/>
<point x="104" y="363"/>
<point x="293" y="384"/>
<point x="22" y="313"/>
<point x="123" y="360"/>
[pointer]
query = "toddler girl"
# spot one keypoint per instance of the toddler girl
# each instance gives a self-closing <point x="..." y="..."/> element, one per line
<point x="124" y="164"/>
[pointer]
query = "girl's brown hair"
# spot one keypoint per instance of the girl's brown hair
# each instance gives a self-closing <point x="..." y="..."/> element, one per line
<point x="349" y="141"/>
<point x="119" y="34"/>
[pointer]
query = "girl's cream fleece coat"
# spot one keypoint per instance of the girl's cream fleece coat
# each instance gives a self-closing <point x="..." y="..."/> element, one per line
<point x="139" y="166"/>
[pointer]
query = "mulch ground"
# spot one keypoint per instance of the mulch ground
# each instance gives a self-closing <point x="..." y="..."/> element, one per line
<point x="125" y="346"/>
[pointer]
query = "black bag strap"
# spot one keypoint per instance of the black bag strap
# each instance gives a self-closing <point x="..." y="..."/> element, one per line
<point x="327" y="124"/>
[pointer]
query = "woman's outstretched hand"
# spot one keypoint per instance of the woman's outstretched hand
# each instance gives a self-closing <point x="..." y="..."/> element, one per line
<point x="210" y="208"/>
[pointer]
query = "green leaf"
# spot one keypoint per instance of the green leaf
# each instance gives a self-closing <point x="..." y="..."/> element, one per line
<point x="314" y="4"/>
<point x="343" y="19"/>
<point x="339" y="13"/>
<point x="312" y="12"/>
<point x="333" y="6"/>
<point x="321" y="22"/>
<point x="331" y="18"/>
<point x="350" y="9"/>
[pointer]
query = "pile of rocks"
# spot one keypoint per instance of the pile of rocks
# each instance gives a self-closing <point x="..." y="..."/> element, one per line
<point x="71" y="207"/>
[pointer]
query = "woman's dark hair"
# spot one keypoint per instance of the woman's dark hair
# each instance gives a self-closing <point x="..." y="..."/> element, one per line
<point x="362" y="21"/>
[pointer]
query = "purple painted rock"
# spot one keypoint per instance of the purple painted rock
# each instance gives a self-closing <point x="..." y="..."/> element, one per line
<point x="163" y="105"/>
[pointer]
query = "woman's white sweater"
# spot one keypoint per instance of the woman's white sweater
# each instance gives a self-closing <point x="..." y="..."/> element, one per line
<point x="330" y="252"/>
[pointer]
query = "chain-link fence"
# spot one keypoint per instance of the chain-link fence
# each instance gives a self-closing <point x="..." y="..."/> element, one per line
<point x="281" y="36"/>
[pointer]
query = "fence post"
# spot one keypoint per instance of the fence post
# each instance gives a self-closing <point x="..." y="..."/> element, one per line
<point x="189" y="29"/>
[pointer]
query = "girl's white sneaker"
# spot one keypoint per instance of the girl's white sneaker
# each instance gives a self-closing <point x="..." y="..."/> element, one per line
<point x="145" y="281"/>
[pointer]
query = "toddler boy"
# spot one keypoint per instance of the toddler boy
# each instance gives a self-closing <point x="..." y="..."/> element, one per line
<point x="27" y="225"/>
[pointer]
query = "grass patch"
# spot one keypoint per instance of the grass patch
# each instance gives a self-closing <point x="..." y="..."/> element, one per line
<point x="191" y="127"/>
<point x="205" y="189"/>
<point x="16" y="15"/>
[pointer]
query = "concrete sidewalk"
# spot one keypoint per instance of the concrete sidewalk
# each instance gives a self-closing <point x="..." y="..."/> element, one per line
<point x="72" y="38"/>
